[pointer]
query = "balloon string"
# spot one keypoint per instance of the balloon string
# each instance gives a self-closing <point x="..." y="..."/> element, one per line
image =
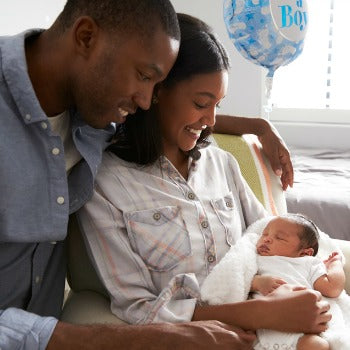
<point x="268" y="88"/>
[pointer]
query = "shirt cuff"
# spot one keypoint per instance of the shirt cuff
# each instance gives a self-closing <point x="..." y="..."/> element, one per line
<point x="20" y="329"/>
<point x="177" y="301"/>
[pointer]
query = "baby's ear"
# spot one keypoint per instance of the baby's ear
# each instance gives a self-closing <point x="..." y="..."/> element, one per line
<point x="307" y="252"/>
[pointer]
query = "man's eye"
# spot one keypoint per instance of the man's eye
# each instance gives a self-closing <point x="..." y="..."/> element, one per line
<point x="144" y="77"/>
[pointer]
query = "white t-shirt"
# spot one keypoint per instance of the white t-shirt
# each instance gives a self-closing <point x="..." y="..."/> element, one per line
<point x="302" y="271"/>
<point x="61" y="125"/>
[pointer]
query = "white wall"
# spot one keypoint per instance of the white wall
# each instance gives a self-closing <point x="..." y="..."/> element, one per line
<point x="18" y="15"/>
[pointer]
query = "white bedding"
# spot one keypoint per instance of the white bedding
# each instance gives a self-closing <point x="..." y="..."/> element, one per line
<point x="322" y="189"/>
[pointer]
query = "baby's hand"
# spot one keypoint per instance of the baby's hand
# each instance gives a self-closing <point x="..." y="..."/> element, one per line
<point x="332" y="258"/>
<point x="266" y="284"/>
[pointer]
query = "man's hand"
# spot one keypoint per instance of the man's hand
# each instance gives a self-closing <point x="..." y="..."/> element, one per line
<point x="208" y="335"/>
<point x="297" y="309"/>
<point x="199" y="335"/>
<point x="277" y="152"/>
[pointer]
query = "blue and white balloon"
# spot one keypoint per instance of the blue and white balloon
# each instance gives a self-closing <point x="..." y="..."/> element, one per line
<point x="269" y="33"/>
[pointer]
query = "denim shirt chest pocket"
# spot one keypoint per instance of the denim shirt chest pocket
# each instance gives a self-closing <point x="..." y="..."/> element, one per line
<point x="227" y="211"/>
<point x="159" y="236"/>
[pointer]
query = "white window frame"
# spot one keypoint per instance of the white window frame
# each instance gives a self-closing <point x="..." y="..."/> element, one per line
<point x="299" y="115"/>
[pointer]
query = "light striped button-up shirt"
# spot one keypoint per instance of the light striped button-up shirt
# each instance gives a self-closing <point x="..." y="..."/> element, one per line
<point x="154" y="236"/>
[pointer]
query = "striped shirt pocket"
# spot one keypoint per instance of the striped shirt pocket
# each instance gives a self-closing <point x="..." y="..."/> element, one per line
<point x="159" y="236"/>
<point x="227" y="212"/>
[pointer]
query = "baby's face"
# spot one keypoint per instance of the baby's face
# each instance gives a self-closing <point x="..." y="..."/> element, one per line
<point x="280" y="237"/>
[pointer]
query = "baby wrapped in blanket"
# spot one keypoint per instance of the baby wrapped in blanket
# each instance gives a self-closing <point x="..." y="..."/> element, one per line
<point x="284" y="254"/>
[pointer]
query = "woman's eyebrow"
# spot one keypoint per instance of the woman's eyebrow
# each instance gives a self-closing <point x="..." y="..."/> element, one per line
<point x="205" y="93"/>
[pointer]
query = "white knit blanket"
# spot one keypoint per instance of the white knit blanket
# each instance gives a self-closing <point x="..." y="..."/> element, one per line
<point x="231" y="278"/>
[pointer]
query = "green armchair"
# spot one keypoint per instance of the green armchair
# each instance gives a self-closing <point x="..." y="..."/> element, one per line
<point x="88" y="301"/>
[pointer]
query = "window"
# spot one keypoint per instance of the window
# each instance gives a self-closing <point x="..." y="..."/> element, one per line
<point x="315" y="86"/>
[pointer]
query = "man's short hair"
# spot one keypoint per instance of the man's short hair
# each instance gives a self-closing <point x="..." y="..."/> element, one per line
<point x="130" y="16"/>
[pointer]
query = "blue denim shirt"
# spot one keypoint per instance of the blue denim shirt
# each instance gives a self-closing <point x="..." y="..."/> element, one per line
<point x="36" y="199"/>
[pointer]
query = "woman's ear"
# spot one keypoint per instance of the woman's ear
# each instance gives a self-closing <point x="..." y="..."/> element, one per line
<point x="158" y="90"/>
<point x="307" y="252"/>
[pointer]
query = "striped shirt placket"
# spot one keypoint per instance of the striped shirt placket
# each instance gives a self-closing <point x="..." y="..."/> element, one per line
<point x="210" y="249"/>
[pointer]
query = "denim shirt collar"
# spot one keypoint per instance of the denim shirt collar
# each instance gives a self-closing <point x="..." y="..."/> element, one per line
<point x="15" y="70"/>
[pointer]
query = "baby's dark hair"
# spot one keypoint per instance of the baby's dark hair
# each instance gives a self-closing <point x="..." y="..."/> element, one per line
<point x="309" y="236"/>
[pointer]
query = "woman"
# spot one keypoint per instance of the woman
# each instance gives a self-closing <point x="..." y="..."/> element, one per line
<point x="167" y="208"/>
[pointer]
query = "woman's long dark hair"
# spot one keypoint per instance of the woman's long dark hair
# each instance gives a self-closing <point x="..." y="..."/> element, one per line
<point x="139" y="139"/>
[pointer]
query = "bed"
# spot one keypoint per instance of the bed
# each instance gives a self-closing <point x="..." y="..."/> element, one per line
<point x="322" y="189"/>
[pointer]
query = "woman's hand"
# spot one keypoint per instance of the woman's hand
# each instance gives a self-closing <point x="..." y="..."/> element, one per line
<point x="272" y="143"/>
<point x="277" y="152"/>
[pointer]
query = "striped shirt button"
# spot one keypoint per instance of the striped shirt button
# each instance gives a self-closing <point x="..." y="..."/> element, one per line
<point x="211" y="258"/>
<point x="204" y="224"/>
<point x="156" y="216"/>
<point x="191" y="195"/>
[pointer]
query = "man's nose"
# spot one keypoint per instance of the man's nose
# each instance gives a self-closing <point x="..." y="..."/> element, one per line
<point x="143" y="98"/>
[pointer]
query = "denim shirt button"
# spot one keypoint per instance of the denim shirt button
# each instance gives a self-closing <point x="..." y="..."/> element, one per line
<point x="60" y="200"/>
<point x="43" y="125"/>
<point x="55" y="151"/>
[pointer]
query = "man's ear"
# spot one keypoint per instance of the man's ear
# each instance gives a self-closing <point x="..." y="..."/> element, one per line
<point x="307" y="252"/>
<point x="85" y="35"/>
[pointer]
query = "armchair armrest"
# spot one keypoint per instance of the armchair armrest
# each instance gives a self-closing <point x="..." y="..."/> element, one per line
<point x="345" y="247"/>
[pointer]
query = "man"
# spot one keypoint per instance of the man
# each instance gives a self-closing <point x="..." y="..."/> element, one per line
<point x="59" y="91"/>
